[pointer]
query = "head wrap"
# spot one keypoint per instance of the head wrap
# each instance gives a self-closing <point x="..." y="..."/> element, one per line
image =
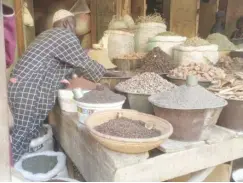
<point x="61" y="14"/>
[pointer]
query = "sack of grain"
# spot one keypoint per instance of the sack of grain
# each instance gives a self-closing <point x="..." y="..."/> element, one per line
<point x="165" y="43"/>
<point x="196" y="50"/>
<point x="144" y="32"/>
<point x="39" y="167"/>
<point x="44" y="142"/>
<point x="120" y="43"/>
<point x="117" y="23"/>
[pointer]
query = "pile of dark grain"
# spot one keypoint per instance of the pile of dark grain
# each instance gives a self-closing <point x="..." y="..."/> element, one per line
<point x="102" y="96"/>
<point x="157" y="61"/>
<point x="127" y="128"/>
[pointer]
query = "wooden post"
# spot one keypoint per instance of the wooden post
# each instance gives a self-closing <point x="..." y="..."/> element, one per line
<point x="18" y="4"/>
<point x="4" y="127"/>
<point x="93" y="8"/>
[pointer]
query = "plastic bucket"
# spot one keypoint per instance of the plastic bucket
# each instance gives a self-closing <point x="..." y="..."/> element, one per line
<point x="85" y="109"/>
<point x="66" y="100"/>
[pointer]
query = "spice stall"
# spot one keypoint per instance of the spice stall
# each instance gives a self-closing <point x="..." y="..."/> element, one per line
<point x="182" y="90"/>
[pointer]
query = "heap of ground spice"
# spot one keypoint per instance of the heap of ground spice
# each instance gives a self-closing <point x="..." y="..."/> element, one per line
<point x="157" y="61"/>
<point x="102" y="96"/>
<point x="127" y="128"/>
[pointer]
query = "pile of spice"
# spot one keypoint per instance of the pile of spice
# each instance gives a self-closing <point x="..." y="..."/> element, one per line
<point x="187" y="98"/>
<point x="156" y="18"/>
<point x="132" y="56"/>
<point x="229" y="88"/>
<point x="167" y="33"/>
<point x="127" y="128"/>
<point x="230" y="65"/>
<point x="39" y="164"/>
<point x="195" y="42"/>
<point x="203" y="72"/>
<point x="147" y="83"/>
<point x="102" y="96"/>
<point x="222" y="41"/>
<point x="157" y="61"/>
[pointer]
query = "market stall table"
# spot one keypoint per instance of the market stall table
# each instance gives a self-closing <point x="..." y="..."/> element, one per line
<point x="96" y="163"/>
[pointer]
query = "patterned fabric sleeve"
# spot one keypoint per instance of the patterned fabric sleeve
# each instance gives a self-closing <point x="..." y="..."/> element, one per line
<point x="72" y="53"/>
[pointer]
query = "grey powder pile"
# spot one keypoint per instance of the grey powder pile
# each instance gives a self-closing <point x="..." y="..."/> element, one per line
<point x="185" y="97"/>
<point x="127" y="128"/>
<point x="101" y="97"/>
<point x="147" y="83"/>
<point x="222" y="41"/>
<point x="39" y="164"/>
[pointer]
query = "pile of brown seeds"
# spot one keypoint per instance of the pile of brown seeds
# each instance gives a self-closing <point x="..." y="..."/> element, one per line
<point x="101" y="97"/>
<point x="127" y="128"/>
<point x="147" y="83"/>
<point x="132" y="56"/>
<point x="157" y="61"/>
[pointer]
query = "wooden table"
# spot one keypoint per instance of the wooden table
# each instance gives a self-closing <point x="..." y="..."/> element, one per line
<point x="96" y="163"/>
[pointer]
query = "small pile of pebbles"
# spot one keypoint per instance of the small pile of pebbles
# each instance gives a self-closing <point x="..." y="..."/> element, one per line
<point x="195" y="42"/>
<point x="187" y="98"/>
<point x="203" y="72"/>
<point x="127" y="128"/>
<point x="230" y="65"/>
<point x="132" y="56"/>
<point x="229" y="88"/>
<point x="222" y="41"/>
<point x="39" y="164"/>
<point x="101" y="97"/>
<point x="147" y="83"/>
<point x="157" y="61"/>
<point x="167" y="33"/>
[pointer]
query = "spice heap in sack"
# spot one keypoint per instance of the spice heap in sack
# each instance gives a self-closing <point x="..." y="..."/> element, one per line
<point x="195" y="42"/>
<point x="222" y="41"/>
<point x="102" y="96"/>
<point x="147" y="83"/>
<point x="132" y="56"/>
<point x="230" y="65"/>
<point x="127" y="128"/>
<point x="229" y="88"/>
<point x="156" y="18"/>
<point x="157" y="61"/>
<point x="203" y="72"/>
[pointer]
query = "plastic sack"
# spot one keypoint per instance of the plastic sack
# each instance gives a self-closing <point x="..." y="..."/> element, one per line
<point x="80" y="6"/>
<point x="144" y="32"/>
<point x="165" y="43"/>
<point x="43" y="143"/>
<point x="9" y="34"/>
<point x="200" y="54"/>
<point x="59" y="170"/>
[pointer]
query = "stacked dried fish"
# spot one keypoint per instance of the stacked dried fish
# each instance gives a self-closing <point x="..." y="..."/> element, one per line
<point x="230" y="87"/>
<point x="203" y="72"/>
<point x="230" y="65"/>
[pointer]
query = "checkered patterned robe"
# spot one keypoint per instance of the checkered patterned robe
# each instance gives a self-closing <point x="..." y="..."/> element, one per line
<point x="52" y="56"/>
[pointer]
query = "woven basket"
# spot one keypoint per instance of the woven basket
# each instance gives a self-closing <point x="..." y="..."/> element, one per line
<point x="128" y="145"/>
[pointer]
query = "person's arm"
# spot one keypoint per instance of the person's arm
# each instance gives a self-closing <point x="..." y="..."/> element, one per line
<point x="71" y="52"/>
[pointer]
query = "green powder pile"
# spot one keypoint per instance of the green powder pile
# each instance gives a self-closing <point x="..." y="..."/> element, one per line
<point x="167" y="33"/>
<point x="222" y="41"/>
<point x="39" y="164"/>
<point x="196" y="41"/>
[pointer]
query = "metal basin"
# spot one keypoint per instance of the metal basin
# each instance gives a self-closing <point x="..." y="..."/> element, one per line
<point x="232" y="115"/>
<point x="180" y="82"/>
<point x="188" y="125"/>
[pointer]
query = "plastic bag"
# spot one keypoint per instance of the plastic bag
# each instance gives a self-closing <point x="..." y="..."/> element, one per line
<point x="80" y="6"/>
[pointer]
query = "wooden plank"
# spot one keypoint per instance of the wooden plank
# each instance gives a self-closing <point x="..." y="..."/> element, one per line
<point x="138" y="8"/>
<point x="4" y="126"/>
<point x="93" y="8"/>
<point x="183" y="17"/>
<point x="119" y="8"/>
<point x="19" y="26"/>
<point x="172" y="165"/>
